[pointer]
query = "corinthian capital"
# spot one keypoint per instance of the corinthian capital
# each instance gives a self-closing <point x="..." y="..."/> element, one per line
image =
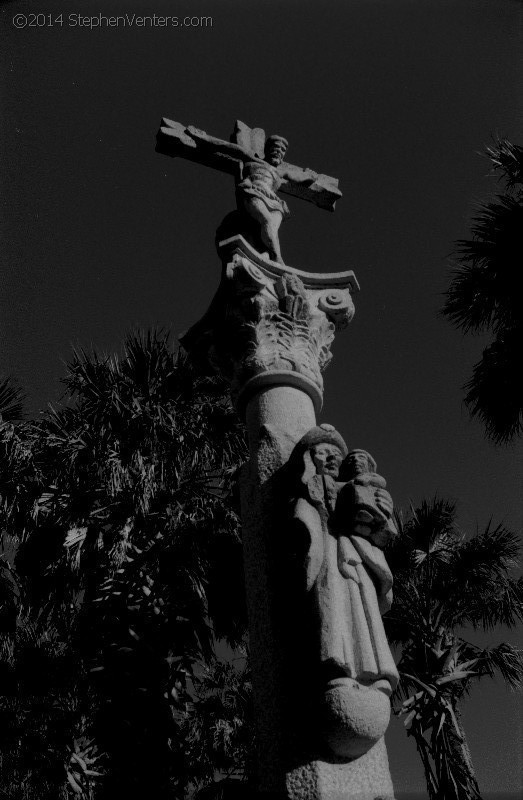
<point x="270" y="324"/>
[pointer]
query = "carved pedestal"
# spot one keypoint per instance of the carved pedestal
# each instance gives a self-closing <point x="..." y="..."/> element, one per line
<point x="269" y="329"/>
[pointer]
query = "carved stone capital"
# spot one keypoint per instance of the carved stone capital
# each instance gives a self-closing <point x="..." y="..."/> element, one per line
<point x="270" y="324"/>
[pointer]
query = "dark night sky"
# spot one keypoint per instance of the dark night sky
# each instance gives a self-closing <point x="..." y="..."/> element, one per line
<point x="394" y="97"/>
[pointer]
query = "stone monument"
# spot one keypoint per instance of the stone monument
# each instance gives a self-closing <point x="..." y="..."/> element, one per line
<point x="315" y="516"/>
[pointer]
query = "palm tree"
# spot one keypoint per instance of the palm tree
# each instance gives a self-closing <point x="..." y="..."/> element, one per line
<point x="483" y="297"/>
<point x="133" y="534"/>
<point x="445" y="583"/>
<point x="45" y="710"/>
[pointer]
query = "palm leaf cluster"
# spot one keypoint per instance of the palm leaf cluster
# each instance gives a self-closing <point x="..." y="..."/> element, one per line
<point x="218" y="726"/>
<point x="483" y="297"/>
<point x="127" y="557"/>
<point x="11" y="401"/>
<point x="446" y="583"/>
<point x="45" y="706"/>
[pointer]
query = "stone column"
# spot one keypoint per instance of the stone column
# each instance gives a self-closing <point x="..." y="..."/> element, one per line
<point x="269" y="330"/>
<point x="277" y="417"/>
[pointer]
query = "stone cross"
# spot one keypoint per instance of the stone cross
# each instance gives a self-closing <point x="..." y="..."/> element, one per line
<point x="314" y="516"/>
<point x="175" y="139"/>
<point x="256" y="161"/>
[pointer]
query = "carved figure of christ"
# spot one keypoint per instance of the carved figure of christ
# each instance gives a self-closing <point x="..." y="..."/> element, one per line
<point x="259" y="170"/>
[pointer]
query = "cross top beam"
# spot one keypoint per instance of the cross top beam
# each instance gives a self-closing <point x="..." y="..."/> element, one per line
<point x="247" y="145"/>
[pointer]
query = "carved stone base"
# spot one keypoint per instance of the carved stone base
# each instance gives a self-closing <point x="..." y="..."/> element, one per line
<point x="364" y="778"/>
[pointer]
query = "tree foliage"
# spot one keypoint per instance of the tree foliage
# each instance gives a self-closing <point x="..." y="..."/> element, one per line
<point x="483" y="297"/>
<point x="446" y="583"/>
<point x="120" y="566"/>
<point x="218" y="724"/>
<point x="124" y="565"/>
<point x="11" y="401"/>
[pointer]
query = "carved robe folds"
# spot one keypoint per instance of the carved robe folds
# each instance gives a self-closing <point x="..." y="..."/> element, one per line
<point x="348" y="585"/>
<point x="352" y="584"/>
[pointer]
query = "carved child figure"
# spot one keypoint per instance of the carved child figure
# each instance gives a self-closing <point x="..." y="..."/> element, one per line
<point x="365" y="499"/>
<point x="348" y="583"/>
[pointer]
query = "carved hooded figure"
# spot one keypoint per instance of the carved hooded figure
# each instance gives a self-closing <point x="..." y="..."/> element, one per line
<point x="344" y="525"/>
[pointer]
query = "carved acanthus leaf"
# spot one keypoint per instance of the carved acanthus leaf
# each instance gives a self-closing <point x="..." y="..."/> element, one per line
<point x="265" y="321"/>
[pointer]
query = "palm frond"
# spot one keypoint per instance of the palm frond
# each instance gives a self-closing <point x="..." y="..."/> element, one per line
<point x="407" y="619"/>
<point x="484" y="296"/>
<point x="507" y="159"/>
<point x="149" y="363"/>
<point x="505" y="659"/>
<point x="218" y="724"/>
<point x="494" y="550"/>
<point x="431" y="519"/>
<point x="11" y="401"/>
<point x="494" y="392"/>
<point x="486" y="606"/>
<point x="483" y="289"/>
<point x="432" y="531"/>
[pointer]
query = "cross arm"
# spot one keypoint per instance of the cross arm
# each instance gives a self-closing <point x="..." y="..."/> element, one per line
<point x="175" y="139"/>
<point x="178" y="140"/>
<point x="322" y="190"/>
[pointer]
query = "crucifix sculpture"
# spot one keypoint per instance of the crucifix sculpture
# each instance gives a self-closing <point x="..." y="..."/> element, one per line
<point x="260" y="172"/>
<point x="315" y="517"/>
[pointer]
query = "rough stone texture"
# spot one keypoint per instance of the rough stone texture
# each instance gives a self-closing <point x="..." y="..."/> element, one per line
<point x="260" y="172"/>
<point x="316" y="743"/>
<point x="355" y="709"/>
<point x="365" y="778"/>
<point x="175" y="139"/>
<point x="338" y="701"/>
<point x="270" y="324"/>
<point x="276" y="418"/>
<point x="344" y="574"/>
<point x="269" y="330"/>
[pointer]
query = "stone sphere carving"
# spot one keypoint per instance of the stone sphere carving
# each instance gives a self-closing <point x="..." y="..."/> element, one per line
<point x="353" y="717"/>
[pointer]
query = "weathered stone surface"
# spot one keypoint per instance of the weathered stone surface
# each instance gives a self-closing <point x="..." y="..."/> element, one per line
<point x="322" y="669"/>
<point x="270" y="324"/>
<point x="346" y="585"/>
<point x="354" y="717"/>
<point x="269" y="330"/>
<point x="365" y="778"/>
<point x="276" y="418"/>
<point x="175" y="139"/>
<point x="316" y="578"/>
<point x="260" y="173"/>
